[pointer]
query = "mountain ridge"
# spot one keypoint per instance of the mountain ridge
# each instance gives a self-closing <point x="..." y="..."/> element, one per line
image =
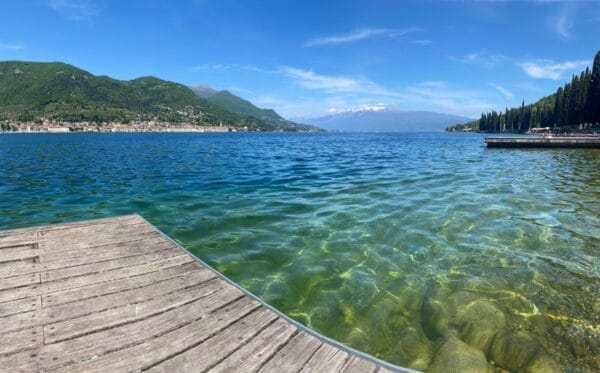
<point x="386" y="120"/>
<point x="35" y="91"/>
<point x="241" y="106"/>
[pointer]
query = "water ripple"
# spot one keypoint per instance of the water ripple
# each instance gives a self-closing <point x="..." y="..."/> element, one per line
<point x="360" y="236"/>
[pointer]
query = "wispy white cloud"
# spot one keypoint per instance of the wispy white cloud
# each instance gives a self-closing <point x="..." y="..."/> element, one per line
<point x="564" y="21"/>
<point x="484" y="59"/>
<point x="548" y="69"/>
<point x="240" y="90"/>
<point x="224" y="67"/>
<point x="330" y="83"/>
<point x="471" y="57"/>
<point x="563" y="26"/>
<point x="358" y="35"/>
<point x="336" y="93"/>
<point x="447" y="99"/>
<point x="430" y="94"/>
<point x="535" y="68"/>
<point x="10" y="46"/>
<point x="75" y="10"/>
<point x="504" y="91"/>
<point x="434" y="84"/>
<point x="423" y="41"/>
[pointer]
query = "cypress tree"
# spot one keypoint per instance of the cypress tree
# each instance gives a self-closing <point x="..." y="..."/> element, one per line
<point x="576" y="103"/>
<point x="557" y="107"/>
<point x="593" y="94"/>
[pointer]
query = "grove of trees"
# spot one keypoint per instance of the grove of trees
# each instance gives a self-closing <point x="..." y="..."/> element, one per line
<point x="577" y="104"/>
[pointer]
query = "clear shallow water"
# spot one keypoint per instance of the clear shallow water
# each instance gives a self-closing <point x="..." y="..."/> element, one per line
<point x="396" y="244"/>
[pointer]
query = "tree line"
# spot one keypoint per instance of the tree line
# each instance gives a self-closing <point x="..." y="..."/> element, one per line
<point x="575" y="105"/>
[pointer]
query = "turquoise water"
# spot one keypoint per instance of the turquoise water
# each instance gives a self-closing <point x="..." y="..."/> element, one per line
<point x="396" y="244"/>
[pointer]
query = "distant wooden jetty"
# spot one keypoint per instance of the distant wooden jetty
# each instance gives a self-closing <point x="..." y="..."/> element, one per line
<point x="118" y="295"/>
<point x="543" y="142"/>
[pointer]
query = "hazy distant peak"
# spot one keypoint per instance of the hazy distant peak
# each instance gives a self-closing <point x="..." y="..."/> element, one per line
<point x="203" y="90"/>
<point x="380" y="118"/>
<point x="373" y="108"/>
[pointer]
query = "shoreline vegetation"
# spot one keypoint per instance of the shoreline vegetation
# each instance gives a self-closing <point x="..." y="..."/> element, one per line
<point x="572" y="109"/>
<point x="40" y="96"/>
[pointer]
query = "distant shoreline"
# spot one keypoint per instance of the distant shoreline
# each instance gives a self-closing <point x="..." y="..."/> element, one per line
<point x="149" y="131"/>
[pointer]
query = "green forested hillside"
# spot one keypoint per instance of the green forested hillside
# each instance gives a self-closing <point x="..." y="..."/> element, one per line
<point x="238" y="105"/>
<point x="576" y="104"/>
<point x="30" y="91"/>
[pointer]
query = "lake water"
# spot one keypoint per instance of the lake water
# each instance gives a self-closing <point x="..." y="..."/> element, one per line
<point x="395" y="244"/>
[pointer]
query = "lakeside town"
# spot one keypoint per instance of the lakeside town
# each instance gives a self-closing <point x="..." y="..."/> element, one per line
<point x="49" y="126"/>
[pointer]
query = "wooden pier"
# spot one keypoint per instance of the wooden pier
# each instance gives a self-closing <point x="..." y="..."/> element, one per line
<point x="118" y="295"/>
<point x="543" y="142"/>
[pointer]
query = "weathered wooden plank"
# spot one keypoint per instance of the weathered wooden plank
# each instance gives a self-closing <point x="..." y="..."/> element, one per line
<point x="149" y="291"/>
<point x="18" y="253"/>
<point x="86" y="237"/>
<point x="134" y="242"/>
<point x="133" y="250"/>
<point x="93" y="346"/>
<point x="128" y="313"/>
<point x="84" y="269"/>
<point x="24" y="238"/>
<point x="45" y="229"/>
<point x="358" y="365"/>
<point x="212" y="350"/>
<point x="105" y="288"/>
<point x="22" y="320"/>
<point x="18" y="306"/>
<point x="98" y="304"/>
<point x="18" y="231"/>
<point x="148" y="354"/>
<point x="327" y="358"/>
<point x="91" y="232"/>
<point x="254" y="354"/>
<point x="73" y="244"/>
<point x="24" y="361"/>
<point x="99" y="223"/>
<point x="294" y="355"/>
<point x="13" y="342"/>
<point x="94" y="278"/>
<point x="19" y="268"/>
<point x="19" y="281"/>
<point x="118" y="273"/>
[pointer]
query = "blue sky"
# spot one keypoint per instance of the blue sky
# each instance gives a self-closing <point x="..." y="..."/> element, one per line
<point x="309" y="58"/>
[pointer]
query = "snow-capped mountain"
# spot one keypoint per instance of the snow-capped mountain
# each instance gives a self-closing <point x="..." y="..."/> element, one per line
<point x="379" y="118"/>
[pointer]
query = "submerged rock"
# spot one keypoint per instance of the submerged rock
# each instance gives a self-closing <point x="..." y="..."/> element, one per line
<point x="455" y="356"/>
<point x="478" y="322"/>
<point x="359" y="339"/>
<point x="520" y="352"/>
<point x="439" y="310"/>
<point x="435" y="319"/>
<point x="542" y="363"/>
<point x="414" y="349"/>
<point x="464" y="314"/>
<point x="513" y="350"/>
<point x="541" y="324"/>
